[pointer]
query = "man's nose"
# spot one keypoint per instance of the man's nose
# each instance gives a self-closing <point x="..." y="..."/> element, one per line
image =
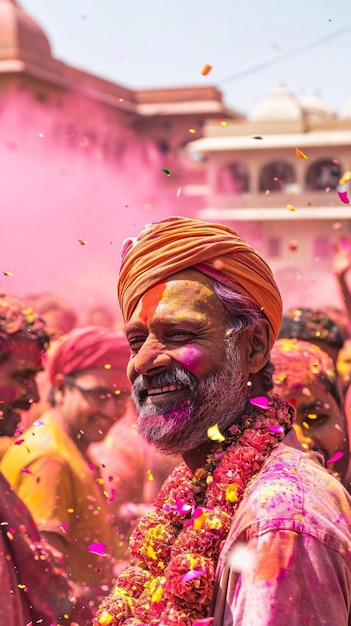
<point x="112" y="409"/>
<point x="151" y="358"/>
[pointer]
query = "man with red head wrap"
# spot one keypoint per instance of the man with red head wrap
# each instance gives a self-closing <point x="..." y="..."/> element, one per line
<point x="34" y="586"/>
<point x="49" y="465"/>
<point x="250" y="529"/>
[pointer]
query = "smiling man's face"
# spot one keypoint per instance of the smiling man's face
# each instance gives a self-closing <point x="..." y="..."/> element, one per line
<point x="18" y="389"/>
<point x="187" y="374"/>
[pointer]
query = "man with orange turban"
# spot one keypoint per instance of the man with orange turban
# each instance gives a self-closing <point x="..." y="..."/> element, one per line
<point x="50" y="467"/>
<point x="250" y="529"/>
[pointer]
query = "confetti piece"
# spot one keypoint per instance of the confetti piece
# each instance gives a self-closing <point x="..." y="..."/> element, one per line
<point x="97" y="548"/>
<point x="206" y="70"/>
<point x="214" y="433"/>
<point x="275" y="429"/>
<point x="149" y="475"/>
<point x="82" y="242"/>
<point x="290" y="207"/>
<point x="223" y="123"/>
<point x="107" y="366"/>
<point x="7" y="273"/>
<point x="300" y="154"/>
<point x="206" y="621"/>
<point x="240" y="558"/>
<point x="336" y="457"/>
<point x="179" y="191"/>
<point x="18" y="442"/>
<point x="25" y="470"/>
<point x="260" y="401"/>
<point x="192" y="131"/>
<point x="343" y="197"/>
<point x="293" y="245"/>
<point x="191" y="575"/>
<point x="200" y="520"/>
<point x="257" y="137"/>
<point x="218" y="264"/>
<point x="345" y="178"/>
<point x="182" y="507"/>
<point x="166" y="171"/>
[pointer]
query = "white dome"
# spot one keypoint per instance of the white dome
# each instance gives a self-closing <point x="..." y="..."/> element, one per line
<point x="281" y="105"/>
<point x="316" y="109"/>
<point x="347" y="112"/>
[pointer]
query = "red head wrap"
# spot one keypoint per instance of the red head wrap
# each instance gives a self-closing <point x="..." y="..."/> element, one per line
<point x="88" y="347"/>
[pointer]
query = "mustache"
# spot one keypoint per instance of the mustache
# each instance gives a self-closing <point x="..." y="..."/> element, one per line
<point x="177" y="376"/>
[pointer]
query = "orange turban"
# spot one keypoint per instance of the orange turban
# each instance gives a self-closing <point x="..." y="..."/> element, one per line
<point x="88" y="347"/>
<point x="176" y="244"/>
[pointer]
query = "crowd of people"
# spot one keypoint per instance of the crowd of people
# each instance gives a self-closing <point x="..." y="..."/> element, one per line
<point x="192" y="470"/>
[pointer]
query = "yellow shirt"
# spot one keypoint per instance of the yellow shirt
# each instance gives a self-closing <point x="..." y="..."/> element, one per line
<point x="62" y="492"/>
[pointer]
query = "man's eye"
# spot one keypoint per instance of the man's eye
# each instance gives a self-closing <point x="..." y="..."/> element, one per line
<point x="181" y="335"/>
<point x="316" y="419"/>
<point x="135" y="343"/>
<point x="25" y="376"/>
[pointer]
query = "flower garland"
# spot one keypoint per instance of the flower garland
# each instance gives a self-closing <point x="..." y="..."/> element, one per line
<point x="175" y="548"/>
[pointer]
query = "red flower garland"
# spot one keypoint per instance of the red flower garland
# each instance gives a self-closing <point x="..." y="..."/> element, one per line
<point x="175" y="548"/>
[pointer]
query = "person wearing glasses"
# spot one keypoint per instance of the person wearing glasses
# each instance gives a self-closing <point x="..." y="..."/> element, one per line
<point x="49" y="464"/>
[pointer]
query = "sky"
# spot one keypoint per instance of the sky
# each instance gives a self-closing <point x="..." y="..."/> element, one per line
<point x="252" y="45"/>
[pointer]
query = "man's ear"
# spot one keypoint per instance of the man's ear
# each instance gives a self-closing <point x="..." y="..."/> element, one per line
<point x="258" y="346"/>
<point x="58" y="387"/>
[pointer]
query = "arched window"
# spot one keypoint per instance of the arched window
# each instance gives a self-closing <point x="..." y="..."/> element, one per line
<point x="323" y="175"/>
<point x="233" y="178"/>
<point x="277" y="176"/>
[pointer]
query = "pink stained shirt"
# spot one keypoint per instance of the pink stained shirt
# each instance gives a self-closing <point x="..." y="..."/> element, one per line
<point x="287" y="558"/>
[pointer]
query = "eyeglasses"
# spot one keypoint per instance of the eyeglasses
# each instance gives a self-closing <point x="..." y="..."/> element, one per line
<point x="99" y="395"/>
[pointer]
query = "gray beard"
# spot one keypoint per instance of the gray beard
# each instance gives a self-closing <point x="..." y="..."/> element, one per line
<point x="182" y="426"/>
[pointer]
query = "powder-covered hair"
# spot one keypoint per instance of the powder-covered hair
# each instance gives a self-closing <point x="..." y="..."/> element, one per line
<point x="243" y="313"/>
<point x="17" y="320"/>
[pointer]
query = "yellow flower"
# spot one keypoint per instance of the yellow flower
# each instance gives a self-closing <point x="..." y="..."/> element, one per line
<point x="231" y="493"/>
<point x="157" y="595"/>
<point x="105" y="618"/>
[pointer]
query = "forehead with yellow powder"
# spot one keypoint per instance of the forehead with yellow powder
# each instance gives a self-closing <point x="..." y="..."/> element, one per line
<point x="188" y="292"/>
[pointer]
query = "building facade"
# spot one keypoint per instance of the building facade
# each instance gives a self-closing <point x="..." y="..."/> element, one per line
<point x="275" y="176"/>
